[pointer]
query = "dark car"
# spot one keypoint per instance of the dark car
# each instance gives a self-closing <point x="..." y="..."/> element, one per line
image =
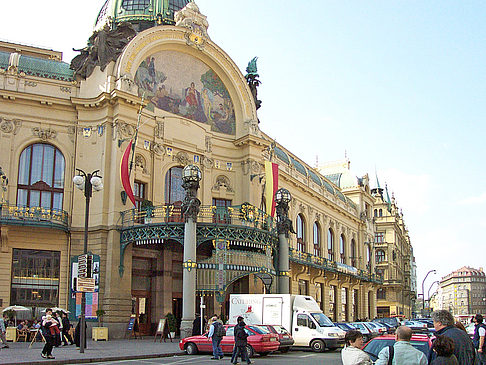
<point x="392" y="321"/>
<point x="260" y="340"/>
<point x="284" y="336"/>
<point x="419" y="341"/>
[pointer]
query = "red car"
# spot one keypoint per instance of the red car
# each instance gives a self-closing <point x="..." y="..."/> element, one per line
<point x="421" y="342"/>
<point x="260" y="341"/>
<point x="284" y="337"/>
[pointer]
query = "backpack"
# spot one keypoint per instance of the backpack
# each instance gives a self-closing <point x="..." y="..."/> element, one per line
<point x="219" y="330"/>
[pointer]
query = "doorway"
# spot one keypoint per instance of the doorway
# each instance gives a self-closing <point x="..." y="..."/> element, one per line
<point x="142" y="275"/>
<point x="141" y="308"/>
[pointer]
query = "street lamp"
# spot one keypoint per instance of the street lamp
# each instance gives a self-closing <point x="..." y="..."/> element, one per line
<point x="191" y="176"/>
<point x="284" y="226"/>
<point x="423" y="292"/>
<point x="3" y="183"/>
<point x="86" y="183"/>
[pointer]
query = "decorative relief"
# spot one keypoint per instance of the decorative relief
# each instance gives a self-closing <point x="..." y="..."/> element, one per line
<point x="196" y="24"/>
<point x="209" y="144"/>
<point x="252" y="127"/>
<point x="122" y="130"/>
<point x="127" y="83"/>
<point x="65" y="89"/>
<point x="223" y="182"/>
<point x="44" y="134"/>
<point x="30" y="83"/>
<point x="318" y="217"/>
<point x="9" y="126"/>
<point x="207" y="162"/>
<point x="251" y="166"/>
<point x="158" y="148"/>
<point x="141" y="162"/>
<point x="159" y="130"/>
<point x="71" y="131"/>
<point x="183" y="158"/>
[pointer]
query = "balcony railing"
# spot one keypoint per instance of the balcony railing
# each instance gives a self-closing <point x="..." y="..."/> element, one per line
<point x="325" y="264"/>
<point x="239" y="215"/>
<point x="34" y="216"/>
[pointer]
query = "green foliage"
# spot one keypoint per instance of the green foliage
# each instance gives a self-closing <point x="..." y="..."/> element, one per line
<point x="100" y="313"/>
<point x="212" y="82"/>
<point x="171" y="322"/>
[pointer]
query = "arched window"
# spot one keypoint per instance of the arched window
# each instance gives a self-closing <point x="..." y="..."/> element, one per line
<point x="380" y="256"/>
<point x="41" y="177"/>
<point x="300" y="233"/>
<point x="375" y="213"/>
<point x="330" y="245"/>
<point x="381" y="213"/>
<point x="381" y="293"/>
<point x="353" y="253"/>
<point x="317" y="239"/>
<point x="342" y="249"/>
<point x="368" y="257"/>
<point x="394" y="255"/>
<point x="173" y="186"/>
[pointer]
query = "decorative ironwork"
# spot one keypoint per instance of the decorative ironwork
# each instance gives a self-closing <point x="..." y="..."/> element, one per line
<point x="189" y="265"/>
<point x="191" y="175"/>
<point x="284" y="224"/>
<point x="308" y="259"/>
<point x="34" y="216"/>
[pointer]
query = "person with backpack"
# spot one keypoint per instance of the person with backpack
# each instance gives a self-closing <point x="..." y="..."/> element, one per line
<point x="240" y="342"/>
<point x="479" y="336"/>
<point x="402" y="352"/>
<point x="216" y="333"/>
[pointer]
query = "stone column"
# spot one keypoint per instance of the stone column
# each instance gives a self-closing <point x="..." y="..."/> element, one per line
<point x="190" y="209"/>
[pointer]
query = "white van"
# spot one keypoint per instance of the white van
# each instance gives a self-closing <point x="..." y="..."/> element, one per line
<point x="300" y="314"/>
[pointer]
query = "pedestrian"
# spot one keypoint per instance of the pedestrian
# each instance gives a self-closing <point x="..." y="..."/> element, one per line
<point x="3" y="330"/>
<point x="66" y="326"/>
<point x="216" y="330"/>
<point x="49" y="325"/>
<point x="478" y="338"/>
<point x="463" y="346"/>
<point x="444" y="348"/>
<point x="241" y="342"/>
<point x="58" y="334"/>
<point x="352" y="353"/>
<point x="196" y="325"/>
<point x="402" y="352"/>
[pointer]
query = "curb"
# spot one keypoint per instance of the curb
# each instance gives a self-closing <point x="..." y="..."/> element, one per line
<point x="96" y="360"/>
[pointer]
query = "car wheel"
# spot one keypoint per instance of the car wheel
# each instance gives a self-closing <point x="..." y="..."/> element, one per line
<point x="191" y="349"/>
<point x="249" y="351"/>
<point x="284" y="350"/>
<point x="317" y="346"/>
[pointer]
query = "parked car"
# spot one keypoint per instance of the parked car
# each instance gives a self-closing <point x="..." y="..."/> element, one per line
<point x="345" y="326"/>
<point x="260" y="341"/>
<point x="421" y="342"/>
<point x="284" y="336"/>
<point x="416" y="326"/>
<point x="381" y="328"/>
<point x="389" y="328"/>
<point x="393" y="321"/>
<point x="367" y="333"/>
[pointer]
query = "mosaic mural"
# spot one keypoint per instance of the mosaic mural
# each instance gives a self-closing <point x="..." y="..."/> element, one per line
<point x="183" y="85"/>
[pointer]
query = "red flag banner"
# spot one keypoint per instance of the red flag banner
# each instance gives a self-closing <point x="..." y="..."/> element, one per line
<point x="125" y="176"/>
<point x="271" y="186"/>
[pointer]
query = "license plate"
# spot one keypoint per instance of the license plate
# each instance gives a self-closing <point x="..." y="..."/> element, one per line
<point x="285" y="336"/>
<point x="273" y="339"/>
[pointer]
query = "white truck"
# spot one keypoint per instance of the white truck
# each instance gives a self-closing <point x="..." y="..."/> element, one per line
<point x="299" y="314"/>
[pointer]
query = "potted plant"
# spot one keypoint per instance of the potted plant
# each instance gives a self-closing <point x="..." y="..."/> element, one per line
<point x="171" y="323"/>
<point x="147" y="206"/>
<point x="100" y="313"/>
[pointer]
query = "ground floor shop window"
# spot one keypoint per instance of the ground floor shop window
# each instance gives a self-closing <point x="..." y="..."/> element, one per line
<point x="35" y="278"/>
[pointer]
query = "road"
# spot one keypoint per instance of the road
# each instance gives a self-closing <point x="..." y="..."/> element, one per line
<point x="292" y="357"/>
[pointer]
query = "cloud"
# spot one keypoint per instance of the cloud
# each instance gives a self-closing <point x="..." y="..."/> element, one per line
<point x="473" y="200"/>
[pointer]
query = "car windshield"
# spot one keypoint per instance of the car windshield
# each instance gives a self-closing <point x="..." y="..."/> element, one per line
<point x="280" y="330"/>
<point x="322" y="319"/>
<point x="375" y="346"/>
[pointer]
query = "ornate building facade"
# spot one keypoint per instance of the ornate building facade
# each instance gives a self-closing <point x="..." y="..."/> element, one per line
<point x="181" y="100"/>
<point x="394" y="259"/>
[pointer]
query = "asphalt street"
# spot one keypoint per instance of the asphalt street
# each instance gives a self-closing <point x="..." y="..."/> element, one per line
<point x="292" y="357"/>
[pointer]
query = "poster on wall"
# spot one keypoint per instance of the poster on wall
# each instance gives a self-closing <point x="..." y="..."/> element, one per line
<point x="75" y="296"/>
<point x="181" y="84"/>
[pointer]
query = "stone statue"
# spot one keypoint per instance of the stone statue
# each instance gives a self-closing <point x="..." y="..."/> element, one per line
<point x="252" y="79"/>
<point x="104" y="46"/>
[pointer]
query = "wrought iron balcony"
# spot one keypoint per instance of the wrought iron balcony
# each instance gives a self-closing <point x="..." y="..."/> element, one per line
<point x="34" y="216"/>
<point x="328" y="265"/>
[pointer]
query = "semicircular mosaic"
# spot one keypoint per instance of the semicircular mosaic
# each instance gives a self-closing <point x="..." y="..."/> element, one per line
<point x="183" y="85"/>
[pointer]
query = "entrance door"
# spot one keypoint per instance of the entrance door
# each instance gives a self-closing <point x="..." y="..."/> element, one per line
<point x="141" y="308"/>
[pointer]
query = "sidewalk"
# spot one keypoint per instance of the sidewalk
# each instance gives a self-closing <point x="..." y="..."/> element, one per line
<point x="19" y="352"/>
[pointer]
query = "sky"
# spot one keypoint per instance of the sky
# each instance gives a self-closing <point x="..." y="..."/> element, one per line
<point x="399" y="87"/>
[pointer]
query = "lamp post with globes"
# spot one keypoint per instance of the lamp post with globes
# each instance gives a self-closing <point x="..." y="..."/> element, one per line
<point x="284" y="226"/>
<point x="423" y="290"/>
<point x="191" y="176"/>
<point x="86" y="183"/>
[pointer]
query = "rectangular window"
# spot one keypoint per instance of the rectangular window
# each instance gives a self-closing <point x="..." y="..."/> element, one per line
<point x="303" y="287"/>
<point x="221" y="214"/>
<point x="139" y="191"/>
<point x="35" y="278"/>
<point x="379" y="237"/>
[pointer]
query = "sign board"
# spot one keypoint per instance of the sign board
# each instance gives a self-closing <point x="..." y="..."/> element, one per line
<point x="82" y="266"/>
<point x="131" y="330"/>
<point x="162" y="330"/>
<point x="86" y="285"/>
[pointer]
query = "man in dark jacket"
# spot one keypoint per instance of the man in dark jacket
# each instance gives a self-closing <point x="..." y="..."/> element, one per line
<point x="463" y="346"/>
<point x="66" y="326"/>
<point x="479" y="336"/>
<point x="241" y="342"/>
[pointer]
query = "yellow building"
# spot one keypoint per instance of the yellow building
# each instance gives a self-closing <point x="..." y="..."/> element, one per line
<point x="393" y="254"/>
<point x="196" y="108"/>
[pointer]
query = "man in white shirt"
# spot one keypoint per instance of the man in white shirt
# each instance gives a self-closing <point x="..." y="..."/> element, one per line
<point x="403" y="351"/>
